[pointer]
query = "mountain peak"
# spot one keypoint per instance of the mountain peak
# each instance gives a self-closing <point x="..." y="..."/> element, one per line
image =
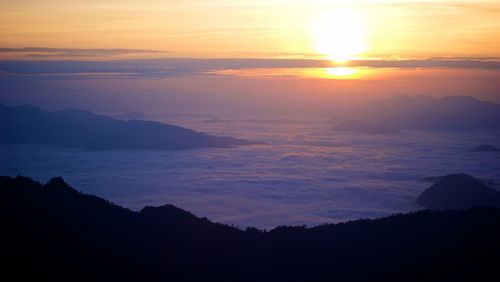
<point x="56" y="181"/>
<point x="458" y="191"/>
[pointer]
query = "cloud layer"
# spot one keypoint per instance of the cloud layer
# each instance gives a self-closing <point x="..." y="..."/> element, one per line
<point x="306" y="174"/>
<point x="196" y="66"/>
<point x="46" y="52"/>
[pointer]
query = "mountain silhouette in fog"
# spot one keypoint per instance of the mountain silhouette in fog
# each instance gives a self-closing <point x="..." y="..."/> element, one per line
<point x="459" y="191"/>
<point x="132" y="116"/>
<point x="58" y="233"/>
<point x="453" y="113"/>
<point x="358" y="126"/>
<point x="78" y="128"/>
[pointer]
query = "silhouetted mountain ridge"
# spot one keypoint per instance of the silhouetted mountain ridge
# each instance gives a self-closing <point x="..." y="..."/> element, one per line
<point x="59" y="234"/>
<point x="78" y="128"/>
<point x="459" y="191"/>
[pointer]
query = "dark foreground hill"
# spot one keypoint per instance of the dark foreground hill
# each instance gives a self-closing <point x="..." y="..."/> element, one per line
<point x="77" y="128"/>
<point x="459" y="191"/>
<point x="54" y="232"/>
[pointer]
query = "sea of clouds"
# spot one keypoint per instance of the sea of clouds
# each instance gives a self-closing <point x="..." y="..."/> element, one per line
<point x="304" y="173"/>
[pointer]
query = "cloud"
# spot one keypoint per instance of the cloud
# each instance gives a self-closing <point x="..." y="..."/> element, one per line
<point x="287" y="182"/>
<point x="46" y="52"/>
<point x="454" y="63"/>
<point x="197" y="66"/>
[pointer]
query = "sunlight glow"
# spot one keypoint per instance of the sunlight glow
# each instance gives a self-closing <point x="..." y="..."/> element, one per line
<point x="341" y="71"/>
<point x="340" y="35"/>
<point x="344" y="73"/>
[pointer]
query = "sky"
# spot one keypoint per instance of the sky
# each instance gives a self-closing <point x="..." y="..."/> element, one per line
<point x="195" y="28"/>
<point x="359" y="48"/>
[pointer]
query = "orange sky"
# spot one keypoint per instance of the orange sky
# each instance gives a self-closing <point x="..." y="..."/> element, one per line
<point x="259" y="28"/>
<point x="390" y="47"/>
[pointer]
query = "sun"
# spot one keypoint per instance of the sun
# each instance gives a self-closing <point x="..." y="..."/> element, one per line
<point x="339" y="35"/>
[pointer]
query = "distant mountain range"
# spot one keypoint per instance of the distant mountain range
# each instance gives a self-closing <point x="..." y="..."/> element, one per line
<point x="453" y="113"/>
<point x="78" y="128"/>
<point x="56" y="233"/>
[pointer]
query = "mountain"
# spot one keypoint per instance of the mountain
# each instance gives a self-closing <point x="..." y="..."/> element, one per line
<point x="358" y="126"/>
<point x="132" y="116"/>
<point x="453" y="113"/>
<point x="78" y="128"/>
<point x="57" y="233"/>
<point x="459" y="191"/>
<point x="434" y="179"/>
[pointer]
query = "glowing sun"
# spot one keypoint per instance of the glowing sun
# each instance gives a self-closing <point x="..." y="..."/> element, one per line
<point x="339" y="35"/>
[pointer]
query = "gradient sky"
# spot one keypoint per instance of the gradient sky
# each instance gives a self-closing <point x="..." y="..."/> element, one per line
<point x="435" y="48"/>
<point x="221" y="28"/>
